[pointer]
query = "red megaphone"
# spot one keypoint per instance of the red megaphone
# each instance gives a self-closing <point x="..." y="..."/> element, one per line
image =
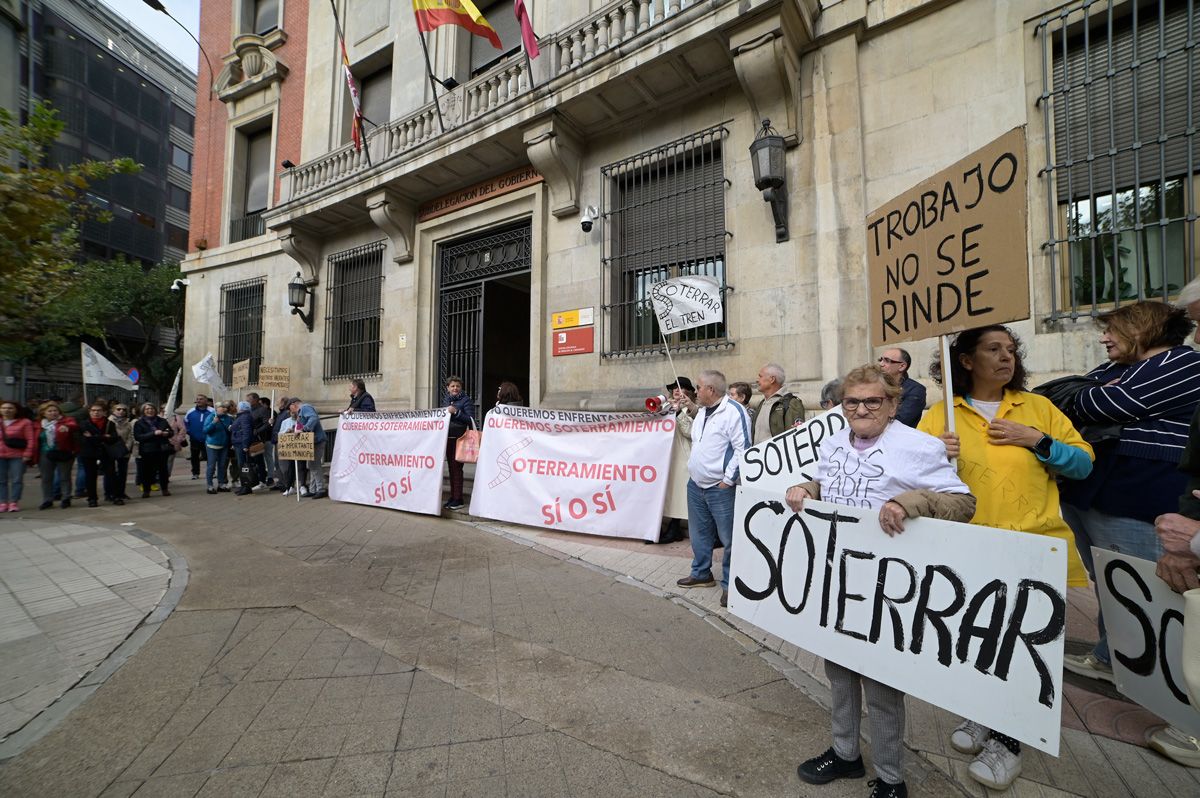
<point x="655" y="403"/>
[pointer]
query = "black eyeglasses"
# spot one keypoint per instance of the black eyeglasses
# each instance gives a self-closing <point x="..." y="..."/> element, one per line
<point x="889" y="361"/>
<point x="872" y="403"/>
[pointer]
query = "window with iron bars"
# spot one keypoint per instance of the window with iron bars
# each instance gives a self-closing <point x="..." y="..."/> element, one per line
<point x="664" y="214"/>
<point x="241" y="336"/>
<point x="353" y="312"/>
<point x="1119" y="103"/>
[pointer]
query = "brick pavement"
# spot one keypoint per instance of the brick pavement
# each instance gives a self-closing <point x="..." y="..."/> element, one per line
<point x="70" y="593"/>
<point x="327" y="649"/>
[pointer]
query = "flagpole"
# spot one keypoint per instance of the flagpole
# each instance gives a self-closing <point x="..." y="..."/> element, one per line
<point x="356" y="120"/>
<point x="432" y="86"/>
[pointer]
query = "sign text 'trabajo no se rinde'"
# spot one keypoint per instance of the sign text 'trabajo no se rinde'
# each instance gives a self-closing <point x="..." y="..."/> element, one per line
<point x="952" y="252"/>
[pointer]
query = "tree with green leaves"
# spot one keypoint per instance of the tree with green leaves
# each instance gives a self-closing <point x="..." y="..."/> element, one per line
<point x="41" y="208"/>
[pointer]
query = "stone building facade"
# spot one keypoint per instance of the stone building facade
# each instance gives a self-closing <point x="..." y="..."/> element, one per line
<point x="453" y="242"/>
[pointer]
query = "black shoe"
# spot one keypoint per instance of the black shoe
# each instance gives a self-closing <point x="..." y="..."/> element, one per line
<point x="66" y="504"/>
<point x="724" y="598"/>
<point x="45" y="505"/>
<point x="166" y="491"/>
<point x="321" y="494"/>
<point x="211" y="491"/>
<point x="145" y="494"/>
<point x="118" y="501"/>
<point x="242" y="492"/>
<point x="452" y="505"/>
<point x="93" y="503"/>
<point x="883" y="789"/>
<point x="691" y="581"/>
<point x="829" y="766"/>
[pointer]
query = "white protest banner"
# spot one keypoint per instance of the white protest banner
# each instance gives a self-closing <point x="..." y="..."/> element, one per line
<point x="599" y="473"/>
<point x="206" y="371"/>
<point x="99" y="370"/>
<point x="1144" y="621"/>
<point x="791" y="456"/>
<point x="390" y="460"/>
<point x="965" y="617"/>
<point x="682" y="303"/>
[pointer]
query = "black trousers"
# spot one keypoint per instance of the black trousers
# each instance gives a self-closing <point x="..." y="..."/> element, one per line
<point x="197" y="454"/>
<point x="94" y="467"/>
<point x="154" y="469"/>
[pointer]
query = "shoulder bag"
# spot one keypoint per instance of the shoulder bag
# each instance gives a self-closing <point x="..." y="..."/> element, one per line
<point x="466" y="449"/>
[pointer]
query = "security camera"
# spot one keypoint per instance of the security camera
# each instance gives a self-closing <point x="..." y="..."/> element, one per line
<point x="588" y="218"/>
<point x="180" y="284"/>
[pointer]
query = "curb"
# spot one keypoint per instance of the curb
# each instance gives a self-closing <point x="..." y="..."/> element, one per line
<point x="45" y="721"/>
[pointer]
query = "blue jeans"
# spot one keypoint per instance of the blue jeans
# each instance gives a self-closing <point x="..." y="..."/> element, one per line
<point x="218" y="461"/>
<point x="80" y="479"/>
<point x="12" y="470"/>
<point x="1126" y="536"/>
<point x="710" y="516"/>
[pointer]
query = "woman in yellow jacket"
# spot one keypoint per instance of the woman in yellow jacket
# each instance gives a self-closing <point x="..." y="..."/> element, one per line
<point x="1010" y="445"/>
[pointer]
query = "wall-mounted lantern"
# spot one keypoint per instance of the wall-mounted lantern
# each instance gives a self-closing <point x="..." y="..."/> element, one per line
<point x="298" y="294"/>
<point x="766" y="156"/>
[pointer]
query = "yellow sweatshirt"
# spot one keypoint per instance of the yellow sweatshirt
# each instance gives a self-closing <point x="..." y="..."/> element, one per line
<point x="1012" y="488"/>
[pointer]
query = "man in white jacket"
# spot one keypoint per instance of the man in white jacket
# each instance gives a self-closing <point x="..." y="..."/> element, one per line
<point x="720" y="433"/>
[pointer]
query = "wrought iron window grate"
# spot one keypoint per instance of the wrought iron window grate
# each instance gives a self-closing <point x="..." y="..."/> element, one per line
<point x="241" y="334"/>
<point x="353" y="312"/>
<point x="1119" y="103"/>
<point x="664" y="216"/>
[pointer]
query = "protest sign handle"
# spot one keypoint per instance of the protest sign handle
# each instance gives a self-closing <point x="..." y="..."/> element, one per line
<point x="948" y="389"/>
<point x="667" y="349"/>
<point x="297" y="462"/>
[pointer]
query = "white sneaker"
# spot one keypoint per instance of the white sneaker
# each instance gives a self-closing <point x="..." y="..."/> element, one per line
<point x="259" y="486"/>
<point x="968" y="737"/>
<point x="1088" y="665"/>
<point x="1176" y="745"/>
<point x="289" y="491"/>
<point x="995" y="767"/>
<point x="303" y="491"/>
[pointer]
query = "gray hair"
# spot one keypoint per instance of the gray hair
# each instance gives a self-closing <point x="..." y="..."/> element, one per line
<point x="775" y="372"/>
<point x="1189" y="293"/>
<point x="832" y="392"/>
<point x="715" y="380"/>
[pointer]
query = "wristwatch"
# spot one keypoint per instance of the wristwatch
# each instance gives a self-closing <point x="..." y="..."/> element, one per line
<point x="1042" y="447"/>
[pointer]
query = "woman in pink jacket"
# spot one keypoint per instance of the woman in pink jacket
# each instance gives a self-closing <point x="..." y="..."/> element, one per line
<point x="16" y="451"/>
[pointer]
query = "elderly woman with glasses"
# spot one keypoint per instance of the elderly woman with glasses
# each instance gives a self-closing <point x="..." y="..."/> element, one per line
<point x="114" y="488"/>
<point x="153" y="435"/>
<point x="913" y="478"/>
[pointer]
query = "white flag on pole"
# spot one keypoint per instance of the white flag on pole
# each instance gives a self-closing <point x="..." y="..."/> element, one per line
<point x="171" y="397"/>
<point x="99" y="370"/>
<point x="682" y="303"/>
<point x="206" y="371"/>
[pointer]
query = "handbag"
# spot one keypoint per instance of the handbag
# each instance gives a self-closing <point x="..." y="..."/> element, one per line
<point x="116" y="451"/>
<point x="466" y="450"/>
<point x="256" y="448"/>
<point x="14" y="443"/>
<point x="248" y="476"/>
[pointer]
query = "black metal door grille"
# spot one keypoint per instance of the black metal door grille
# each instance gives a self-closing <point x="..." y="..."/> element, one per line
<point x="463" y="268"/>
<point x="353" y="311"/>
<point x="241" y="326"/>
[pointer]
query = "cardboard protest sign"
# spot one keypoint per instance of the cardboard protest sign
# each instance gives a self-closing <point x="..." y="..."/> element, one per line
<point x="206" y="371"/>
<point x="1144" y="621"/>
<point x="965" y="617"/>
<point x="240" y="378"/>
<point x="951" y="253"/>
<point x="271" y="377"/>
<point x="682" y="303"/>
<point x="599" y="473"/>
<point x="296" y="446"/>
<point x="791" y="456"/>
<point x="391" y="460"/>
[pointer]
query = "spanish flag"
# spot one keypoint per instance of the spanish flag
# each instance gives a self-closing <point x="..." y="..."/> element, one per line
<point x="433" y="13"/>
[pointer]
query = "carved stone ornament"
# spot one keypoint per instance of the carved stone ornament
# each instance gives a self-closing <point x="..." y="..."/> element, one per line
<point x="554" y="149"/>
<point x="302" y="247"/>
<point x="394" y="216"/>
<point x="767" y="66"/>
<point x="251" y="67"/>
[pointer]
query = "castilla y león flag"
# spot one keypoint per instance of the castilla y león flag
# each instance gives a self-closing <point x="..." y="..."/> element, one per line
<point x="434" y="13"/>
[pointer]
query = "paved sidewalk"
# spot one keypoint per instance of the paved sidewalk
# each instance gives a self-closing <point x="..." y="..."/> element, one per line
<point x="70" y="593"/>
<point x="1102" y="753"/>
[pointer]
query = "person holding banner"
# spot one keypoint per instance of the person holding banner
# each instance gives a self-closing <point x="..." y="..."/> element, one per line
<point x="1011" y="446"/>
<point x="462" y="412"/>
<point x="1149" y="388"/>
<point x="720" y="434"/>
<point x="675" y="508"/>
<point x="876" y="463"/>
<point x="360" y="400"/>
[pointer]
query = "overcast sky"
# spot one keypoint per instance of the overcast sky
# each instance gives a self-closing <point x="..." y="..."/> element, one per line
<point x="158" y="26"/>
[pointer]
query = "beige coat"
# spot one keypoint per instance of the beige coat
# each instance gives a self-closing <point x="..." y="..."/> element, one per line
<point x="676" y="503"/>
